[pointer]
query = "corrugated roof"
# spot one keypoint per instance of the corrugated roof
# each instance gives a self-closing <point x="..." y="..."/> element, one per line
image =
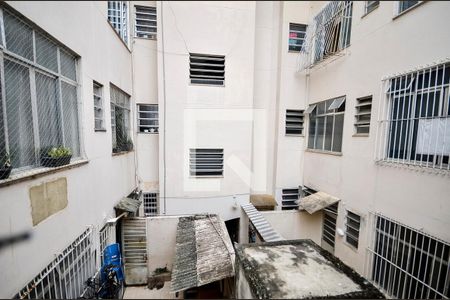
<point x="203" y="254"/>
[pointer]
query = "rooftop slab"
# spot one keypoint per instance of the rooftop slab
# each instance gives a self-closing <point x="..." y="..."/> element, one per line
<point x="299" y="269"/>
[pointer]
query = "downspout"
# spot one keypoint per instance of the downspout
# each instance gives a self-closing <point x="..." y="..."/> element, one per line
<point x="164" y="105"/>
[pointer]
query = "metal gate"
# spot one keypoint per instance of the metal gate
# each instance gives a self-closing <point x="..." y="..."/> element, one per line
<point x="134" y="244"/>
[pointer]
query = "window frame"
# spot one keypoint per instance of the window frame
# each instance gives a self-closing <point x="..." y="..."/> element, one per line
<point x="138" y="110"/>
<point x="313" y="114"/>
<point x="34" y="68"/>
<point x="114" y="108"/>
<point x="101" y="108"/>
<point x="359" y="113"/>
<point x="151" y="35"/>
<point x="151" y="203"/>
<point x="202" y="56"/>
<point x="397" y="7"/>
<point x="370" y="8"/>
<point x="350" y="215"/>
<point x="121" y="23"/>
<point x="192" y="162"/>
<point x="298" y="123"/>
<point x="296" y="38"/>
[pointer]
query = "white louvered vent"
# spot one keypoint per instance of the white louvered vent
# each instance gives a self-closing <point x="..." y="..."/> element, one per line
<point x="207" y="69"/>
<point x="145" y="26"/>
<point x="206" y="162"/>
<point x="294" y="121"/>
<point x="362" y="116"/>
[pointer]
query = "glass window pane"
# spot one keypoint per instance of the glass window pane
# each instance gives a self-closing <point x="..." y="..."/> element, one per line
<point x="312" y="132"/>
<point x="338" y="129"/>
<point x="18" y="110"/>
<point x="46" y="52"/>
<point x="48" y="112"/>
<point x="320" y="133"/>
<point x="70" y="116"/>
<point x="328" y="132"/>
<point x="18" y="35"/>
<point x="68" y="65"/>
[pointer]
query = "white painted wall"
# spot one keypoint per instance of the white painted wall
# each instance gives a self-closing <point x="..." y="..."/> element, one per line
<point x="94" y="188"/>
<point x="295" y="225"/>
<point x="145" y="83"/>
<point x="380" y="45"/>
<point x="193" y="116"/>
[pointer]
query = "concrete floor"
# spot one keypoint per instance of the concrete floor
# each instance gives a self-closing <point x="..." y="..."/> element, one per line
<point x="142" y="292"/>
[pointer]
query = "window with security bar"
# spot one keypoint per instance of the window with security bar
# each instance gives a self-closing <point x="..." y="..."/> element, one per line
<point x="207" y="69"/>
<point x="99" y="112"/>
<point x="326" y="124"/>
<point x="294" y="122"/>
<point x="145" y="22"/>
<point x="407" y="263"/>
<point x="362" y="117"/>
<point x="296" y="36"/>
<point x="415" y="118"/>
<point x="120" y="120"/>
<point x="39" y="121"/>
<point x="205" y="162"/>
<point x="150" y="204"/>
<point x="328" y="33"/>
<point x="118" y="17"/>
<point x="65" y="276"/>
<point x="148" y="118"/>
<point x="329" y="227"/>
<point x="352" y="226"/>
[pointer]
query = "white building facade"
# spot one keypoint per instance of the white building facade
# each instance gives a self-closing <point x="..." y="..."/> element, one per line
<point x="221" y="100"/>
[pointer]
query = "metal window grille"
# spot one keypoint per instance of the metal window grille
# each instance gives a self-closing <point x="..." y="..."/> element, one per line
<point x="289" y="198"/>
<point x="207" y="69"/>
<point x="294" y="121"/>
<point x="371" y="5"/>
<point x="120" y="120"/>
<point x="362" y="117"/>
<point x="405" y="5"/>
<point x="206" y="162"/>
<point x="64" y="277"/>
<point x="107" y="237"/>
<point x="38" y="94"/>
<point x="328" y="34"/>
<point x="414" y="119"/>
<point x="150" y="204"/>
<point x="148" y="118"/>
<point x="145" y="22"/>
<point x="407" y="263"/>
<point x="296" y="36"/>
<point x="329" y="225"/>
<point x="99" y="121"/>
<point x="118" y="17"/>
<point x="352" y="225"/>
<point x="326" y="124"/>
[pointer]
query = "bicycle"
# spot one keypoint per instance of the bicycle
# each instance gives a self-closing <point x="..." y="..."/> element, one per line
<point x="110" y="288"/>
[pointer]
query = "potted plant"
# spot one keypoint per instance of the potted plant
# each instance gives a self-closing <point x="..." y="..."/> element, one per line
<point x="5" y="166"/>
<point x="56" y="157"/>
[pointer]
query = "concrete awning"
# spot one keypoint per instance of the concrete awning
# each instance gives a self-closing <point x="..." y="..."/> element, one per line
<point x="263" y="201"/>
<point x="128" y="204"/>
<point x="316" y="202"/>
<point x="203" y="253"/>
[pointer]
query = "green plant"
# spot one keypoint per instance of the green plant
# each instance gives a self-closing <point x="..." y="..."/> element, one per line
<point x="5" y="162"/>
<point x="57" y="152"/>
